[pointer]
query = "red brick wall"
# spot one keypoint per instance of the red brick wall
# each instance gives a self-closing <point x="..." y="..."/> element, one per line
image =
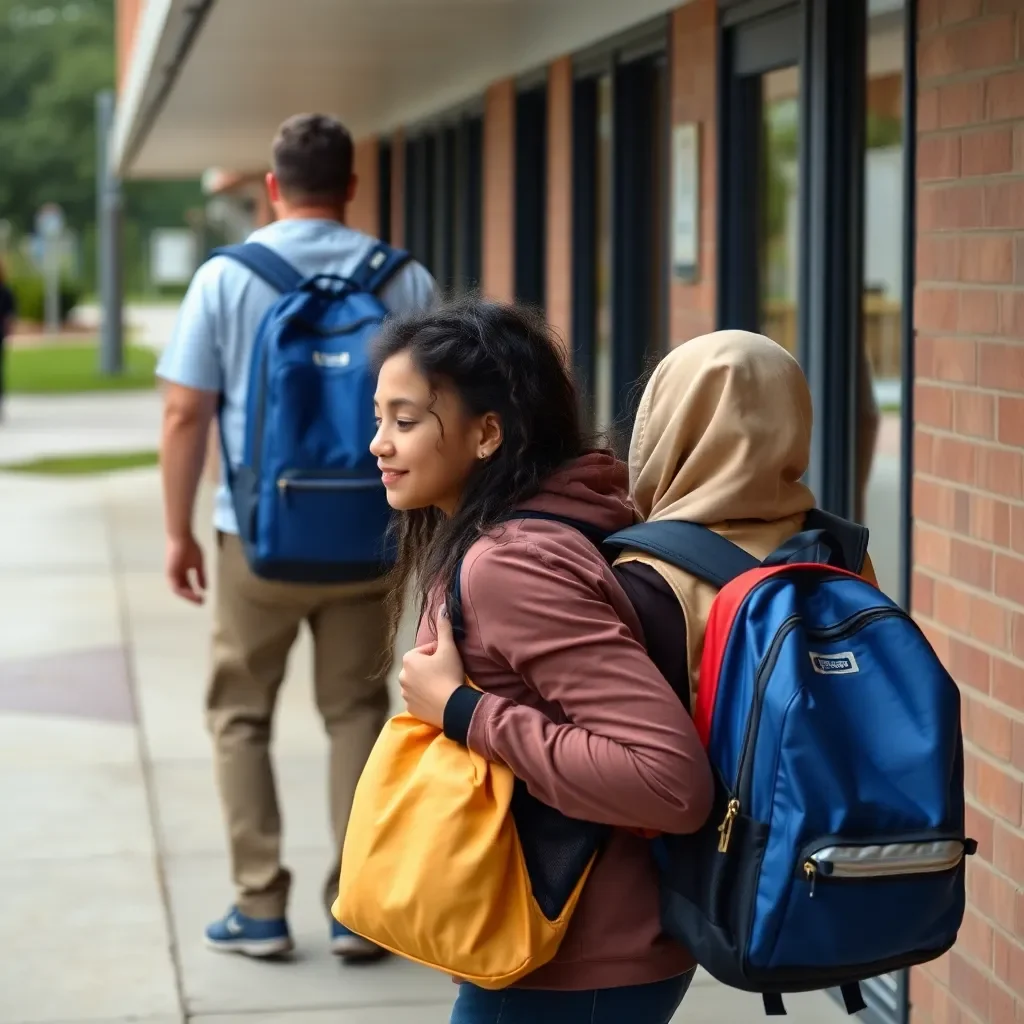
<point x="694" y="44"/>
<point x="559" y="212"/>
<point x="364" y="211"/>
<point x="127" y="15"/>
<point x="969" y="466"/>
<point x="499" y="191"/>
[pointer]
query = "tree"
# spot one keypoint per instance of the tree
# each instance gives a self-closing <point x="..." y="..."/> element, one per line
<point x="56" y="56"/>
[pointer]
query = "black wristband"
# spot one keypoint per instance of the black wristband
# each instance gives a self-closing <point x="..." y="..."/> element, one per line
<point x="458" y="713"/>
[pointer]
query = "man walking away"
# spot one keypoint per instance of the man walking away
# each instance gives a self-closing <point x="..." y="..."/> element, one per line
<point x="256" y="618"/>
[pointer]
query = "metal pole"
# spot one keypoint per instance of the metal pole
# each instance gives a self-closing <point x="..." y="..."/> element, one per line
<point x="51" y="277"/>
<point x="108" y="243"/>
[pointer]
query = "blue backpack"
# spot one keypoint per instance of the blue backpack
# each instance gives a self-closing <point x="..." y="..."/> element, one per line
<point x="309" y="499"/>
<point x="836" y="848"/>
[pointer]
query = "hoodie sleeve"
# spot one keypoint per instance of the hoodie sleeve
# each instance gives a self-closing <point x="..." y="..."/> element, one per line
<point x="629" y="754"/>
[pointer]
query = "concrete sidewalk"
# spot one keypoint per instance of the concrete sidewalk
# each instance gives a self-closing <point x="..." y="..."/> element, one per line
<point x="106" y="422"/>
<point x="112" y="855"/>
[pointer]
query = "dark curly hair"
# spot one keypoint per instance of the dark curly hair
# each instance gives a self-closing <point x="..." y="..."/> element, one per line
<point x="498" y="358"/>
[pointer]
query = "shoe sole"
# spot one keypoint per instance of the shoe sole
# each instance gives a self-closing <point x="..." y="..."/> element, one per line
<point x="258" y="949"/>
<point x="358" y="951"/>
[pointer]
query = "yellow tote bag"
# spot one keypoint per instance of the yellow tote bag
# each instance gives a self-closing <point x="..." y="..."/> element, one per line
<point x="433" y="868"/>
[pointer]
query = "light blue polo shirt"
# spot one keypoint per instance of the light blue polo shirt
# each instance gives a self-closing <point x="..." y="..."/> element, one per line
<point x="211" y="347"/>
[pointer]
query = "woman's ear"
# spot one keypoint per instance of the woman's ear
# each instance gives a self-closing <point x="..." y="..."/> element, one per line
<point x="491" y="435"/>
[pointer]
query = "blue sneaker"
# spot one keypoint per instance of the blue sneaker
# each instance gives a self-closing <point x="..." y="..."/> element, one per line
<point x="351" y="947"/>
<point x="250" y="936"/>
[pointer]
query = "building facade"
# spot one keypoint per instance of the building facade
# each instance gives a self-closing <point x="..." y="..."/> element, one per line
<point x="847" y="178"/>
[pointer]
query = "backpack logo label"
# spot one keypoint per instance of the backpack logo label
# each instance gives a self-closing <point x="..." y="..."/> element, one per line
<point x="331" y="358"/>
<point x="841" y="664"/>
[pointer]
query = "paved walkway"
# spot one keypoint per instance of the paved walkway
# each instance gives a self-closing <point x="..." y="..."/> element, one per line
<point x="112" y="852"/>
<point x="36" y="426"/>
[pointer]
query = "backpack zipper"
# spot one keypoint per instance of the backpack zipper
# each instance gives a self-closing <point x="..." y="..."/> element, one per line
<point x="289" y="482"/>
<point x="853" y="624"/>
<point x="841" y="860"/>
<point x="764" y="671"/>
<point x="334" y="332"/>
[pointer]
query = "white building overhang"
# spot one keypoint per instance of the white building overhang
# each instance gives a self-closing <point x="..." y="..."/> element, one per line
<point x="209" y="81"/>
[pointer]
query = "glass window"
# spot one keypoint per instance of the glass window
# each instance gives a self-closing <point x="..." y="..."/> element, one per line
<point x="779" y="239"/>
<point x="603" y="385"/>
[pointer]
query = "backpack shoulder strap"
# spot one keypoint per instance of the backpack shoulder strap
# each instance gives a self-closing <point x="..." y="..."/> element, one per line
<point x="596" y="536"/>
<point x="378" y="267"/>
<point x="852" y="538"/>
<point x="453" y="599"/>
<point x="688" y="546"/>
<point x="264" y="263"/>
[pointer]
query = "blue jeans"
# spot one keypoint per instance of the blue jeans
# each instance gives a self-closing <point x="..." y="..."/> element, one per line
<point x="637" y="1004"/>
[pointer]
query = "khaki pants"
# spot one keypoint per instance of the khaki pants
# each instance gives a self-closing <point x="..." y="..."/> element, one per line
<point x="256" y="622"/>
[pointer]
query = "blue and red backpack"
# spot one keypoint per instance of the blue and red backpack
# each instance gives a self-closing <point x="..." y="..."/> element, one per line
<point x="836" y="849"/>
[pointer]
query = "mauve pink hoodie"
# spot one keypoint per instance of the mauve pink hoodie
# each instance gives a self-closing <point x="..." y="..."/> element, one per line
<point x="573" y="705"/>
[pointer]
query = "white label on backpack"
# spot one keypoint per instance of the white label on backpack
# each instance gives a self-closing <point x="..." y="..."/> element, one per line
<point x="331" y="358"/>
<point x="842" y="664"/>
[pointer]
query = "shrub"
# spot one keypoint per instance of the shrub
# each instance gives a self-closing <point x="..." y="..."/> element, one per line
<point x="30" y="295"/>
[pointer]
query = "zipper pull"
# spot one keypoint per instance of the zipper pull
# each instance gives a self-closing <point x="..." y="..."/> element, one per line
<point x="725" y="829"/>
<point x="811" y="871"/>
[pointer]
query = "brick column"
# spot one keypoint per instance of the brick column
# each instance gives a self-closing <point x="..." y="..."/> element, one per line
<point x="969" y="466"/>
<point x="127" y="16"/>
<point x="363" y="212"/>
<point x="559" y="211"/>
<point x="694" y="45"/>
<point x="499" y="192"/>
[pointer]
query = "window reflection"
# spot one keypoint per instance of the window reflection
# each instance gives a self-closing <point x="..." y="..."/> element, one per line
<point x="603" y="387"/>
<point x="779" y="234"/>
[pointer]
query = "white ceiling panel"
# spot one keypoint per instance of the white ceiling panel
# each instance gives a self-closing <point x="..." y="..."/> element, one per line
<point x="376" y="64"/>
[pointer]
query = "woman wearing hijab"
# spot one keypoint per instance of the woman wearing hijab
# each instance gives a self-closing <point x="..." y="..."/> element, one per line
<point x="722" y="438"/>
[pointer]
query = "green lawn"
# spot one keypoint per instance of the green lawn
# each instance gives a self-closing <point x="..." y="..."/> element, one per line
<point x="82" y="465"/>
<point x="69" y="369"/>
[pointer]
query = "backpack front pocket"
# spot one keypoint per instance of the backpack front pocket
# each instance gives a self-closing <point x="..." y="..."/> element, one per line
<point x="317" y="516"/>
<point x="859" y="901"/>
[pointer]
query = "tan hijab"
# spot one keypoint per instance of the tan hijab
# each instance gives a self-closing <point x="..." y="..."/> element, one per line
<point x="722" y="438"/>
<point x="723" y="433"/>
